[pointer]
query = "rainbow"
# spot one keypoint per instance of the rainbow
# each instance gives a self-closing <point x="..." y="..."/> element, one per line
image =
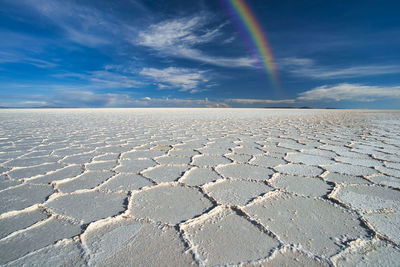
<point x="258" y="38"/>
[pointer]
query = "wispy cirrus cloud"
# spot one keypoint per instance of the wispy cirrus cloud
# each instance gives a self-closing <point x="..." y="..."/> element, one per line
<point x="107" y="79"/>
<point x="353" y="92"/>
<point x="14" y="57"/>
<point x="87" y="23"/>
<point x="183" y="79"/>
<point x="305" y="67"/>
<point x="82" y="24"/>
<point x="104" y="79"/>
<point x="181" y="37"/>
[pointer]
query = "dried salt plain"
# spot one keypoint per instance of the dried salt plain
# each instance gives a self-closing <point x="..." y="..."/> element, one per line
<point x="207" y="187"/>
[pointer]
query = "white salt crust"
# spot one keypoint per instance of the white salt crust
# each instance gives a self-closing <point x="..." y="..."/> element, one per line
<point x="199" y="187"/>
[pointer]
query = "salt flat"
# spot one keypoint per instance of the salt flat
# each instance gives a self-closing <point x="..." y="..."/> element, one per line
<point x="199" y="187"/>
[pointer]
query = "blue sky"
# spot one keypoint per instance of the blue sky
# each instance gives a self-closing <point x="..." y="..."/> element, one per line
<point x="166" y="53"/>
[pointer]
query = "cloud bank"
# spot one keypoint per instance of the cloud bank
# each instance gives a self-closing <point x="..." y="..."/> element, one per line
<point x="182" y="78"/>
<point x="347" y="91"/>
<point x="264" y="101"/>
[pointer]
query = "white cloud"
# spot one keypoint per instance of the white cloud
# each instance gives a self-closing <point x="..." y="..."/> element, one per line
<point x="176" y="32"/>
<point x="90" y="26"/>
<point x="354" y="92"/>
<point x="179" y="38"/>
<point x="31" y="102"/>
<point x="198" y="55"/>
<point x="305" y="67"/>
<point x="229" y="40"/>
<point x="182" y="78"/>
<point x="264" y="101"/>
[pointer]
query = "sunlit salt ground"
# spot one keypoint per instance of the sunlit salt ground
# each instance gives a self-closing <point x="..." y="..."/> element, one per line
<point x="180" y="187"/>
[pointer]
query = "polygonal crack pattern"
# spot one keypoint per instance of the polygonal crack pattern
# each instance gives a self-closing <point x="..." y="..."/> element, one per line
<point x="169" y="204"/>
<point x="317" y="225"/>
<point x="236" y="192"/>
<point x="126" y="242"/>
<point x="227" y="238"/>
<point x="88" y="206"/>
<point x="199" y="187"/>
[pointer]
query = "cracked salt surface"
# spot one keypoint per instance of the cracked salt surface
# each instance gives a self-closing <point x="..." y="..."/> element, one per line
<point x="313" y="224"/>
<point x="244" y="171"/>
<point x="290" y="257"/>
<point x="134" y="165"/>
<point x="266" y="161"/>
<point x="126" y="242"/>
<point x="387" y="224"/>
<point x="165" y="173"/>
<point x="308" y="159"/>
<point x="20" y="221"/>
<point x="344" y="178"/>
<point x="368" y="253"/>
<point x="61" y="174"/>
<point x="204" y="187"/>
<point x="368" y="197"/>
<point x="87" y="180"/>
<point x="199" y="176"/>
<point x="23" y="196"/>
<point x="386" y="180"/>
<point x="305" y="186"/>
<point x="299" y="169"/>
<point x="224" y="237"/>
<point x="169" y="203"/>
<point x="63" y="253"/>
<point x="34" y="238"/>
<point x="126" y="182"/>
<point x="236" y="192"/>
<point x="209" y="160"/>
<point x="87" y="206"/>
